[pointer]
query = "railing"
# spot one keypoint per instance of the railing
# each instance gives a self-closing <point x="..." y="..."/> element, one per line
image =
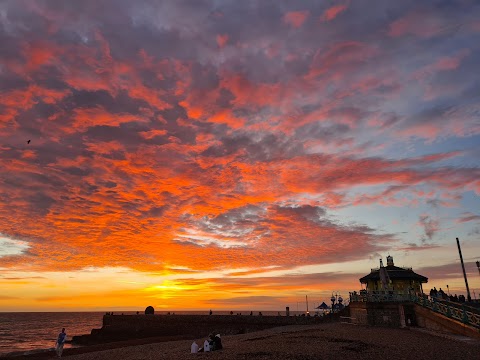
<point x="401" y="267"/>
<point x="461" y="312"/>
<point x="379" y="296"/>
<point x="458" y="311"/>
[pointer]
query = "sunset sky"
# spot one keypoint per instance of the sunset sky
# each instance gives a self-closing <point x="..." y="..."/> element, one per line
<point x="234" y="155"/>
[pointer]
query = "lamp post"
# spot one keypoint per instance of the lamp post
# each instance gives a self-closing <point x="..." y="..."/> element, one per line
<point x="448" y="291"/>
<point x="332" y="299"/>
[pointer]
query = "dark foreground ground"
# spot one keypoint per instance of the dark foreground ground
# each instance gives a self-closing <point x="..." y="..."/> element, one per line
<point x="300" y="342"/>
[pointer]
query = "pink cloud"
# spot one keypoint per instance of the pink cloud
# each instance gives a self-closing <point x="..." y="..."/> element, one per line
<point x="332" y="12"/>
<point x="340" y="58"/>
<point x="296" y="18"/>
<point x="445" y="63"/>
<point x="416" y="23"/>
<point x="222" y="40"/>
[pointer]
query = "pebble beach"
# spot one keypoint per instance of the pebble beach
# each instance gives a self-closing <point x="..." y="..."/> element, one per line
<point x="323" y="341"/>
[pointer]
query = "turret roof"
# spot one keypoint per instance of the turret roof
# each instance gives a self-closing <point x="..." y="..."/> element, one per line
<point x="394" y="273"/>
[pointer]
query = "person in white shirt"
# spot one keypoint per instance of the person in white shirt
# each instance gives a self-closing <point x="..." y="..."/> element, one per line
<point x="206" y="346"/>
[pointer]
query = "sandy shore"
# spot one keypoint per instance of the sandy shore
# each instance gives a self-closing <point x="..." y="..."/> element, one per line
<point x="300" y="342"/>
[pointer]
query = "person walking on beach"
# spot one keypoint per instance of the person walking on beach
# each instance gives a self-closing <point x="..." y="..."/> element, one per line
<point x="60" y="342"/>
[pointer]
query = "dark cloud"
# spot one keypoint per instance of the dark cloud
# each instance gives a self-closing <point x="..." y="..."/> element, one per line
<point x="255" y="147"/>
<point x="430" y="226"/>
<point x="41" y="203"/>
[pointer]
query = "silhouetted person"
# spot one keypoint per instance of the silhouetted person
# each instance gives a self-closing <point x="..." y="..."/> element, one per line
<point x="231" y="312"/>
<point x="455" y="298"/>
<point x="211" y="312"/>
<point x="461" y="298"/>
<point x="218" y="342"/>
<point x="60" y="342"/>
<point x="441" y="294"/>
<point x="28" y="142"/>
<point x="251" y="313"/>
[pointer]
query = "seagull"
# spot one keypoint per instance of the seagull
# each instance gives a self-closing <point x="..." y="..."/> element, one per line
<point x="28" y="142"/>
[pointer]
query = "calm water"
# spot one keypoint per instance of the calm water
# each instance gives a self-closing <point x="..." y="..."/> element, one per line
<point x="25" y="332"/>
<point x="36" y="331"/>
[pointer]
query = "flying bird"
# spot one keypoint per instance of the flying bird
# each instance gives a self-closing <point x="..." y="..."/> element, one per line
<point x="28" y="142"/>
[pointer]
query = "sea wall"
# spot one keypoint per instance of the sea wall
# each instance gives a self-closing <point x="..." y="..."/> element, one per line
<point x="433" y="321"/>
<point x="124" y="327"/>
<point x="387" y="314"/>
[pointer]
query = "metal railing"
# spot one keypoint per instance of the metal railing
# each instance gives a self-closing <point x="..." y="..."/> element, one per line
<point x="458" y="311"/>
<point x="379" y="296"/>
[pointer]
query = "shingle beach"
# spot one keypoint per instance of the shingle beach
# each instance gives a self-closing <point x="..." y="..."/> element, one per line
<point x="324" y="341"/>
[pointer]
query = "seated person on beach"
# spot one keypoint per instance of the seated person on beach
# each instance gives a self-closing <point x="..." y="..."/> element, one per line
<point x="214" y="342"/>
<point x="206" y="346"/>
<point x="217" y="342"/>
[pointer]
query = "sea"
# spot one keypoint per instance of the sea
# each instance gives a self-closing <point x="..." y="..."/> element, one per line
<point x="30" y="332"/>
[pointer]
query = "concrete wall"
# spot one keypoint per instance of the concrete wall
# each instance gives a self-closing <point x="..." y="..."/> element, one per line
<point x="434" y="321"/>
<point x="124" y="327"/>
<point x="405" y="314"/>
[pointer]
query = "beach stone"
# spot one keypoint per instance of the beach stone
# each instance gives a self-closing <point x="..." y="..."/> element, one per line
<point x="149" y="310"/>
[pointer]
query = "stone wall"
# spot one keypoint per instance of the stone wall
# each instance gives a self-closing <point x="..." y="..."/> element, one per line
<point x="387" y="314"/>
<point x="383" y="314"/>
<point x="358" y="312"/>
